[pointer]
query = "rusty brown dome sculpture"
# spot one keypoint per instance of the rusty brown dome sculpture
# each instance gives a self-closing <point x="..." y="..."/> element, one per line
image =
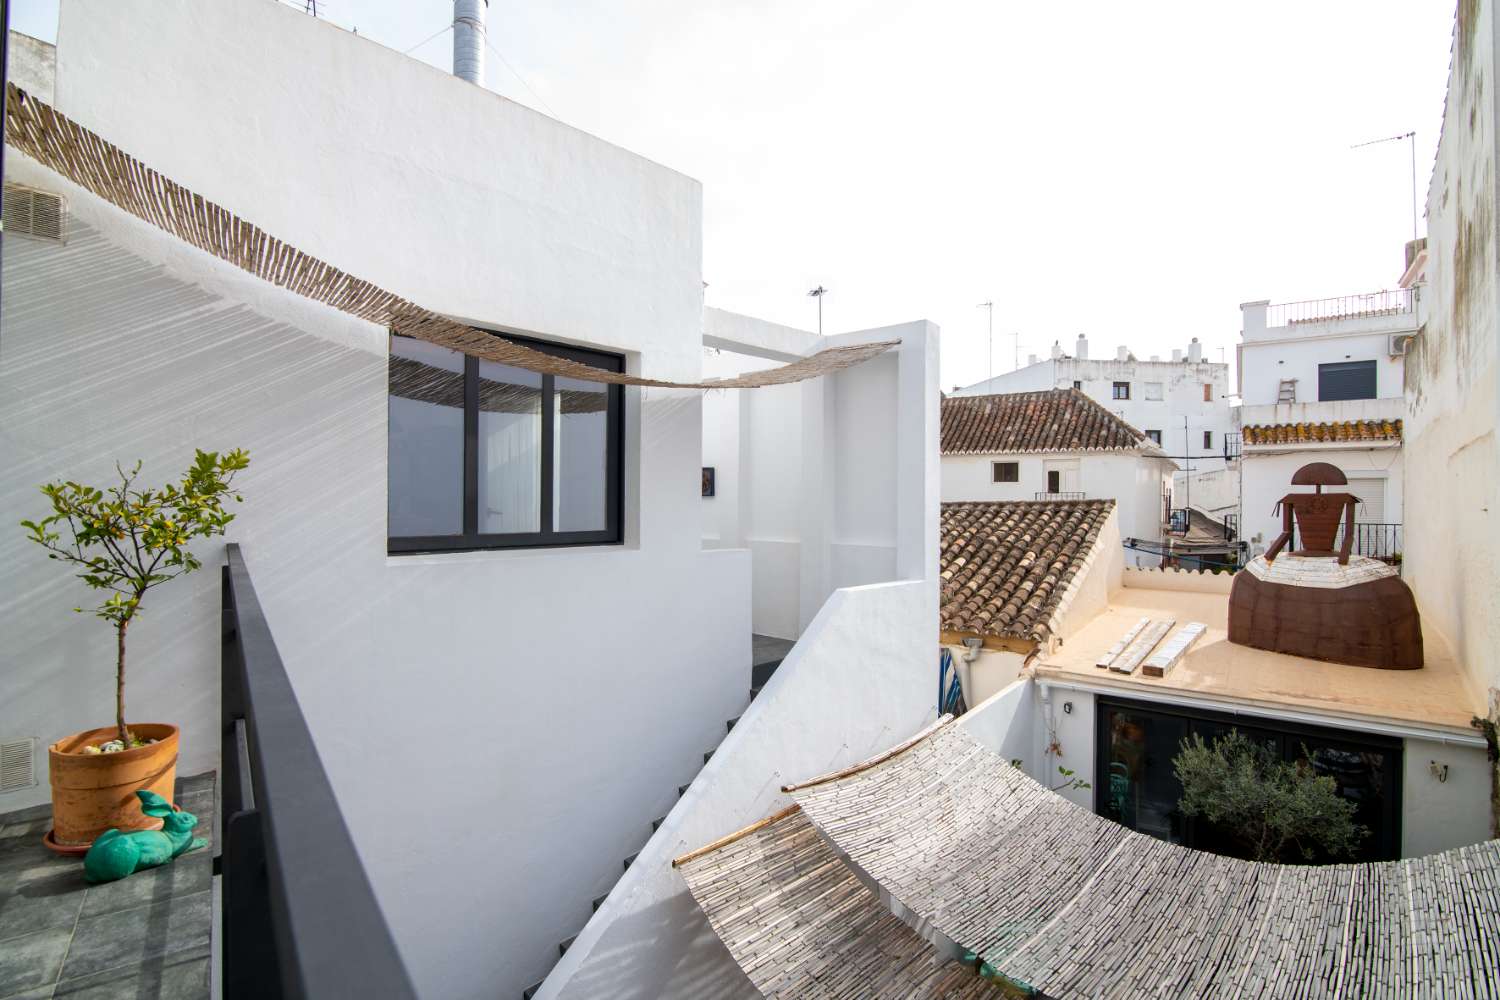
<point x="1322" y="603"/>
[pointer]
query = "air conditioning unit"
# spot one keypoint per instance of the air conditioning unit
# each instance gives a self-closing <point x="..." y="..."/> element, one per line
<point x="30" y="212"/>
<point x="1399" y="344"/>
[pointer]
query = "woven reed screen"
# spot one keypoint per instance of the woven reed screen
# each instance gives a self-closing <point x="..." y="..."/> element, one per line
<point x="52" y="139"/>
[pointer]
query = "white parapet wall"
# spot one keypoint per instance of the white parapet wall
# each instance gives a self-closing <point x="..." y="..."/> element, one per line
<point x="862" y="678"/>
<point x="1196" y="580"/>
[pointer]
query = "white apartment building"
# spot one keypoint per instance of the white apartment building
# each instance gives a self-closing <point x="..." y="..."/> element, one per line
<point x="1322" y="381"/>
<point x="1058" y="445"/>
<point x="1181" y="404"/>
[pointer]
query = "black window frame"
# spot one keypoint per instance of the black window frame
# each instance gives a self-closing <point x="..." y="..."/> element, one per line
<point x="1385" y="844"/>
<point x="1054" y="481"/>
<point x="473" y="540"/>
<point x="1155" y="437"/>
<point x="1118" y="386"/>
<point x="1208" y="439"/>
<point x="1078" y="384"/>
<point x="1341" y="380"/>
<point x="1012" y="467"/>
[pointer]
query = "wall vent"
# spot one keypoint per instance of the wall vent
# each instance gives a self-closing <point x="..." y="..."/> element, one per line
<point x="30" y="212"/>
<point x="16" y="769"/>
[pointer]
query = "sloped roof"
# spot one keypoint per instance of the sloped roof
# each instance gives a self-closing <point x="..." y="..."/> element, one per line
<point x="1049" y="420"/>
<point x="801" y="924"/>
<point x="1072" y="905"/>
<point x="1339" y="430"/>
<point x="1006" y="567"/>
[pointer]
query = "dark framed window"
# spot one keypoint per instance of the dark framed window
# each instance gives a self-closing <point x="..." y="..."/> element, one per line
<point x="1136" y="742"/>
<point x="1208" y="439"/>
<point x="1346" y="380"/>
<point x="1155" y="436"/>
<point x="486" y="456"/>
<point x="1078" y="384"/>
<point x="1122" y="390"/>
<point x="1005" y="472"/>
<point x="1054" y="481"/>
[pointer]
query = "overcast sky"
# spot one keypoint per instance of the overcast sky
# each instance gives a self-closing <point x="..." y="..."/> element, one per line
<point x="1128" y="171"/>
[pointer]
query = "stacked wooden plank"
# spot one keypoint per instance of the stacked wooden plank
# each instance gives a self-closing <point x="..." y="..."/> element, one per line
<point x="1059" y="899"/>
<point x="801" y="924"/>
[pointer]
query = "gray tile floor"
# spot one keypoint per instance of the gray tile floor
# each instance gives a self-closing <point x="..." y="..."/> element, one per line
<point x="146" y="936"/>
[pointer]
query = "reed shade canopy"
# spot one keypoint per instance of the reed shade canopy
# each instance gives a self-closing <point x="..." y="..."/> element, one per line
<point x="1062" y="903"/>
<point x="34" y="128"/>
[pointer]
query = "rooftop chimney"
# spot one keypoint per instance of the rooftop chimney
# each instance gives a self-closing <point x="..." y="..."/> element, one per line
<point x="468" y="39"/>
<point x="1031" y="359"/>
<point x="1176" y="355"/>
<point x="1195" y="351"/>
<point x="1156" y="357"/>
<point x="1083" y="348"/>
<point x="1056" y="350"/>
<point x="1122" y="353"/>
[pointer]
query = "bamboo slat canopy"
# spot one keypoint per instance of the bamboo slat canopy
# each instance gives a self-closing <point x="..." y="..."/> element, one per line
<point x="1069" y="904"/>
<point x="802" y="925"/>
<point x="34" y="128"/>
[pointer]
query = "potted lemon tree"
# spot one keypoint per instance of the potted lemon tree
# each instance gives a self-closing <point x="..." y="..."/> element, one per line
<point x="125" y="540"/>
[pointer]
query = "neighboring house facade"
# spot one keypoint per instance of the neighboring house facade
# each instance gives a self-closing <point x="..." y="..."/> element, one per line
<point x="1322" y="381"/>
<point x="1017" y="577"/>
<point x="1181" y="404"/>
<point x="525" y="647"/>
<point x="1057" y="444"/>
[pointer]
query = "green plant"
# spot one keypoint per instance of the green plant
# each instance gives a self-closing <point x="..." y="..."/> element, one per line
<point x="1277" y="810"/>
<point x="1070" y="782"/>
<point x="126" y="539"/>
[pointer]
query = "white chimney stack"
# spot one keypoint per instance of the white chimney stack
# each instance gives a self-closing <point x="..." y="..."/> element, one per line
<point x="1082" y="350"/>
<point x="1176" y="355"/>
<point x="468" y="39"/>
<point x="1056" y="350"/>
<point x="1195" y="351"/>
<point x="1156" y="357"/>
<point x="1031" y="359"/>
<point x="1122" y="353"/>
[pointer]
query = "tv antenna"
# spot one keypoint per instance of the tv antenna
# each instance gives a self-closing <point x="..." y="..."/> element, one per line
<point x="818" y="294"/>
<point x="1397" y="138"/>
<point x="990" y="336"/>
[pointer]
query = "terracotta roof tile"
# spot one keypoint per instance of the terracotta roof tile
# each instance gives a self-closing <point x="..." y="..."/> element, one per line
<point x="1341" y="430"/>
<point x="1006" y="566"/>
<point x="1050" y="420"/>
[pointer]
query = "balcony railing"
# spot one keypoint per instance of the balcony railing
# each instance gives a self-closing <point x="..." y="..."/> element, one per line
<point x="1384" y="303"/>
<point x="1378" y="541"/>
<point x="299" y="917"/>
<point x="1061" y="496"/>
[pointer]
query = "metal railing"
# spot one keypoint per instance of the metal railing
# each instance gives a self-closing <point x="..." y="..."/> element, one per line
<point x="1378" y="541"/>
<point x="1392" y="302"/>
<point x="299" y="919"/>
<point x="1060" y="496"/>
<point x="1231" y="527"/>
<point x="1177" y="521"/>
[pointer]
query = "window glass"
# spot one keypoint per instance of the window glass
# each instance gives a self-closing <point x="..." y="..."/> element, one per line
<point x="510" y="450"/>
<point x="1054" y="481"/>
<point x="1208" y="439"/>
<point x="1155" y="436"/>
<point x="580" y="446"/>
<point x="1153" y="390"/>
<point x="1139" y="789"/>
<point x="425" y="449"/>
<point x="1006" y="472"/>
<point x="1122" y="390"/>
<point x="1078" y="384"/>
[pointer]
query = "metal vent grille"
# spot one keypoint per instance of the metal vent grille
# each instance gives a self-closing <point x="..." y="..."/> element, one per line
<point x="29" y="212"/>
<point x="16" y="769"/>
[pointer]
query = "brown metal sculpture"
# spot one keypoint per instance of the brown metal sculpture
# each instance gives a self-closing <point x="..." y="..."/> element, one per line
<point x="1320" y="603"/>
<point x="1316" y="515"/>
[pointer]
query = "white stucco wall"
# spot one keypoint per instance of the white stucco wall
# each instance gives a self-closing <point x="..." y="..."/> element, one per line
<point x="569" y="690"/>
<point x="1136" y="482"/>
<point x="823" y="709"/>
<point x="1452" y="379"/>
<point x="1270" y="354"/>
<point x="1006" y="721"/>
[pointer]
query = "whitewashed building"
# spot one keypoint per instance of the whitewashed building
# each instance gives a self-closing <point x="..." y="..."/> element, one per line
<point x="511" y="697"/>
<point x="1181" y="404"/>
<point x="1058" y="444"/>
<point x="1322" y="381"/>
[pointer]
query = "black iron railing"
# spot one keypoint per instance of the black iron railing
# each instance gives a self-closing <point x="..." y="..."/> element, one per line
<point x="299" y="917"/>
<point x="1060" y="496"/>
<point x="1378" y="541"/>
<point x="1231" y="527"/>
<point x="1177" y="521"/>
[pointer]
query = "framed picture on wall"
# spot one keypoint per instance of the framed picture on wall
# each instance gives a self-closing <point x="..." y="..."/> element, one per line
<point x="708" y="480"/>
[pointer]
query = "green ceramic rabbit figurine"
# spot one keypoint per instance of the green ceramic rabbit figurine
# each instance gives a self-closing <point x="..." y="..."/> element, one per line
<point x="115" y="855"/>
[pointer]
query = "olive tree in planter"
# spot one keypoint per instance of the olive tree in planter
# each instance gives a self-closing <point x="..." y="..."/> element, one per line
<point x="1277" y="810"/>
<point x="126" y="540"/>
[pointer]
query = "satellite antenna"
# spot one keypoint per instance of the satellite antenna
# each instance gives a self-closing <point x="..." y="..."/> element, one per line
<point x="818" y="294"/>
<point x="1397" y="138"/>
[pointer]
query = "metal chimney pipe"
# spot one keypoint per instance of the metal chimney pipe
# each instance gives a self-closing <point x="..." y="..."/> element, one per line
<point x="468" y="39"/>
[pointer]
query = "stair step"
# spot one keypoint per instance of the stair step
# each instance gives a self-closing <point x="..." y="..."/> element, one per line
<point x="729" y="726"/>
<point x="531" y="990"/>
<point x="753" y="692"/>
<point x="630" y="859"/>
<point x="657" y="822"/>
<point x="562" y="948"/>
<point x="707" y="755"/>
<point x="682" y="789"/>
<point x="599" y="901"/>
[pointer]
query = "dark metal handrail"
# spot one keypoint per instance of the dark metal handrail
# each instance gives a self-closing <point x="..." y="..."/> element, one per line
<point x="300" y="919"/>
<point x="1376" y="540"/>
<point x="1060" y="496"/>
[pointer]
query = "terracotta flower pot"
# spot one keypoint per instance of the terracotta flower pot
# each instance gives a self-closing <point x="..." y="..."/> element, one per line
<point x="93" y="792"/>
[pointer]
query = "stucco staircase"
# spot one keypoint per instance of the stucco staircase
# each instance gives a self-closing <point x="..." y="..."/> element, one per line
<point x="767" y="656"/>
